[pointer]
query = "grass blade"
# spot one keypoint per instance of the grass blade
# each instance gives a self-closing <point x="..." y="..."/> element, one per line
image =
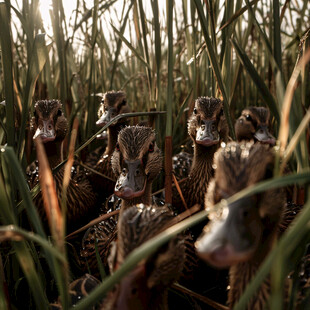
<point x="263" y="90"/>
<point x="12" y="161"/>
<point x="36" y="63"/>
<point x="284" y="127"/>
<point x="277" y="34"/>
<point x="136" y="53"/>
<point x="119" y="43"/>
<point x="180" y="113"/>
<point x="215" y="65"/>
<point x="7" y="60"/>
<point x="15" y="233"/>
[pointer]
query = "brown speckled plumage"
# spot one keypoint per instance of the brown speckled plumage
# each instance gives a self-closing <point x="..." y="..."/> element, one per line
<point x="146" y="287"/>
<point x="210" y="110"/>
<point x="134" y="144"/>
<point x="80" y="196"/>
<point x="137" y="143"/>
<point x="112" y="104"/>
<point x="245" y="235"/>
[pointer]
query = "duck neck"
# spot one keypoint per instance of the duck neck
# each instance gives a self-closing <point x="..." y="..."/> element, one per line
<point x="54" y="152"/>
<point x="201" y="173"/>
<point x="112" y="138"/>
<point x="241" y="274"/>
<point x="146" y="198"/>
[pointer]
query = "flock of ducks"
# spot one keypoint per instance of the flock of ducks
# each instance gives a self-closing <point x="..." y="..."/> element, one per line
<point x="238" y="239"/>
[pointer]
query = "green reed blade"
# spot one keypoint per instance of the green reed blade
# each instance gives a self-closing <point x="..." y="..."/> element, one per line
<point x="7" y="61"/>
<point x="37" y="61"/>
<point x="119" y="44"/>
<point x="180" y="113"/>
<point x="237" y="14"/>
<point x="277" y="34"/>
<point x="12" y="161"/>
<point x="136" y="53"/>
<point x="23" y="254"/>
<point x="15" y="233"/>
<point x="145" y="41"/>
<point x="215" y="65"/>
<point x="57" y="22"/>
<point x="263" y="90"/>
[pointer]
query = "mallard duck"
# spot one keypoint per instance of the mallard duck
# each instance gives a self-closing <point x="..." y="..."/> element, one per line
<point x="136" y="162"/>
<point x="253" y="124"/>
<point x="242" y="234"/>
<point x="112" y="104"/>
<point x="145" y="287"/>
<point x="208" y="128"/>
<point x="50" y="124"/>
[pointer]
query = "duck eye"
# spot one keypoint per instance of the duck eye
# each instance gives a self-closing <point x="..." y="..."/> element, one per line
<point x="248" y="117"/>
<point x="59" y="112"/>
<point x="117" y="147"/>
<point x="151" y="148"/>
<point x="195" y="111"/>
<point x="124" y="102"/>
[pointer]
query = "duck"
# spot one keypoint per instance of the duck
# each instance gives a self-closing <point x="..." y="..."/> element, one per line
<point x="146" y="286"/>
<point x="136" y="162"/>
<point x="113" y="103"/>
<point x="207" y="127"/>
<point x="241" y="234"/>
<point x="51" y="126"/>
<point x="253" y="124"/>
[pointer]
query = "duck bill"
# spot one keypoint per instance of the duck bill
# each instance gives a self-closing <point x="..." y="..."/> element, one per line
<point x="46" y="132"/>
<point x="263" y="135"/>
<point x="232" y="240"/>
<point x="102" y="136"/>
<point x="106" y="117"/>
<point x="131" y="184"/>
<point x="206" y="135"/>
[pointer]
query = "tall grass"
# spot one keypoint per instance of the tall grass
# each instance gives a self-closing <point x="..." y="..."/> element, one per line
<point x="163" y="56"/>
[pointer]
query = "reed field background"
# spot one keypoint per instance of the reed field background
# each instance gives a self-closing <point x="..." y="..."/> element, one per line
<point x="164" y="54"/>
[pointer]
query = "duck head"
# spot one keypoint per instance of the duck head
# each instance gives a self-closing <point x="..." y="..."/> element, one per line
<point x="112" y="104"/>
<point x="207" y="126"/>
<point x="244" y="229"/>
<point x="253" y="124"/>
<point x="136" y="161"/>
<point x="49" y="122"/>
<point x="145" y="285"/>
